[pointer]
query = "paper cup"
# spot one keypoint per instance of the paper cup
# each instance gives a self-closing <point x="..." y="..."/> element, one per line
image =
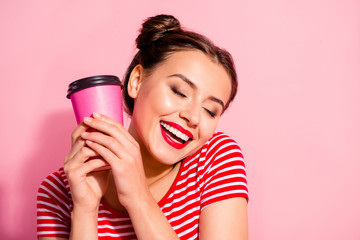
<point x="100" y="94"/>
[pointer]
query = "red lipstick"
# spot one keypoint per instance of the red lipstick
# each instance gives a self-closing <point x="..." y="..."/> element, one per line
<point x="170" y="140"/>
<point x="180" y="128"/>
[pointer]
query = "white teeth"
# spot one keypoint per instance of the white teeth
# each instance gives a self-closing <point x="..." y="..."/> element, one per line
<point x="174" y="131"/>
<point x="179" y="135"/>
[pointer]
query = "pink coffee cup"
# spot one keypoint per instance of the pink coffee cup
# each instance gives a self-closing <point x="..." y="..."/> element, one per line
<point x="100" y="94"/>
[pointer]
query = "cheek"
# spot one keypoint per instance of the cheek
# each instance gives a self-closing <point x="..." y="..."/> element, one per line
<point x="157" y="101"/>
<point x="207" y="128"/>
<point x="163" y="102"/>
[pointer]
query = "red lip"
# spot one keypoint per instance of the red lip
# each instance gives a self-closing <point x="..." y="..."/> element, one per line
<point x="170" y="141"/>
<point x="180" y="128"/>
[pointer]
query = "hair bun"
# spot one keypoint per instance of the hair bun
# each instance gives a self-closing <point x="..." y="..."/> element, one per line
<point x="155" y="28"/>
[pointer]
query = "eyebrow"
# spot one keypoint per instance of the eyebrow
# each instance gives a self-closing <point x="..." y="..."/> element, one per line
<point x="193" y="86"/>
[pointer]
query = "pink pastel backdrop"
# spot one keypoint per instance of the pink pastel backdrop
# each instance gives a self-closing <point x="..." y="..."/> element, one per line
<point x="296" y="116"/>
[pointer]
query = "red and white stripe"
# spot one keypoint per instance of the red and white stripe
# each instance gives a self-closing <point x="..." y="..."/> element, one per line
<point x="215" y="172"/>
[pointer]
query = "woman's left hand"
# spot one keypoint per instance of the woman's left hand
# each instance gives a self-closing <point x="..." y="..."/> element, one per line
<point x="122" y="152"/>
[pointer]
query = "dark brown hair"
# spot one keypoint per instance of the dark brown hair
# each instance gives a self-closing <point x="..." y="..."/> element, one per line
<point x="161" y="36"/>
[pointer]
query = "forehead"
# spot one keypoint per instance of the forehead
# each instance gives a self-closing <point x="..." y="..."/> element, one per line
<point x="209" y="76"/>
<point x="198" y="66"/>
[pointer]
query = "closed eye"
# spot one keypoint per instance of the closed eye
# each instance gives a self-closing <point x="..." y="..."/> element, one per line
<point x="212" y="114"/>
<point x="177" y="92"/>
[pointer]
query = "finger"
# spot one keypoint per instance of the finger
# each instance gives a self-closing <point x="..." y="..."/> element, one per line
<point x="95" y="165"/>
<point x="81" y="156"/>
<point x="75" y="135"/>
<point x="86" y="168"/>
<point x="76" y="146"/>
<point x="105" y="118"/>
<point x="108" y="126"/>
<point x="108" y="155"/>
<point x="110" y="143"/>
<point x="77" y="141"/>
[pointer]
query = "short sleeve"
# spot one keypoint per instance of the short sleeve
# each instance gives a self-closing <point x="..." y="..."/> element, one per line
<point x="225" y="175"/>
<point x="53" y="207"/>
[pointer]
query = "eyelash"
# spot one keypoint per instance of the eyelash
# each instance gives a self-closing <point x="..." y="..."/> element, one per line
<point x="212" y="114"/>
<point x="177" y="92"/>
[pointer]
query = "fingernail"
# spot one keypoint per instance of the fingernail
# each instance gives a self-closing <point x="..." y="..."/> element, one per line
<point x="87" y="119"/>
<point x="97" y="115"/>
<point x="84" y="134"/>
<point x="89" y="142"/>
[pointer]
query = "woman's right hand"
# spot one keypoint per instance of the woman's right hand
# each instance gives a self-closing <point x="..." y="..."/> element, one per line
<point x="87" y="187"/>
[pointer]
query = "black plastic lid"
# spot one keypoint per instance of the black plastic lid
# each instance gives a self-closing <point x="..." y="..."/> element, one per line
<point x="92" y="82"/>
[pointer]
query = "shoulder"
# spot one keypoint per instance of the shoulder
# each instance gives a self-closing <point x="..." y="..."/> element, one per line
<point x="221" y="138"/>
<point x="224" y="173"/>
<point x="217" y="149"/>
<point x="221" y="156"/>
<point x="55" y="188"/>
<point x="220" y="145"/>
<point x="54" y="206"/>
<point x="56" y="180"/>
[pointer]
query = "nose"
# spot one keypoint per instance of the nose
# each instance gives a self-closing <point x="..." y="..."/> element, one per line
<point x="191" y="113"/>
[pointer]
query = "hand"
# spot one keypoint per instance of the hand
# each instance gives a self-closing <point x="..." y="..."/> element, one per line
<point x="122" y="152"/>
<point x="87" y="187"/>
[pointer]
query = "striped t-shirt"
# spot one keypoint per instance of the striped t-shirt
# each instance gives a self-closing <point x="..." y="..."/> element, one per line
<point x="215" y="172"/>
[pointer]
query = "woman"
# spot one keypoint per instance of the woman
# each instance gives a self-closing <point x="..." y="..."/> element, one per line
<point x="171" y="176"/>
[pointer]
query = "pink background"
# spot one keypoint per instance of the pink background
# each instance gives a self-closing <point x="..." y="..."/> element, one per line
<point x="296" y="116"/>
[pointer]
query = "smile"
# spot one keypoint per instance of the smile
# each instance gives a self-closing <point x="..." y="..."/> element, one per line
<point x="175" y="135"/>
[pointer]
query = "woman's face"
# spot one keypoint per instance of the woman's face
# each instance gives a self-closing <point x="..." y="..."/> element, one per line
<point x="178" y="105"/>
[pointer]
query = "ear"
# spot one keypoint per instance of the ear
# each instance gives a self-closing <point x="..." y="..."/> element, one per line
<point x="135" y="80"/>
